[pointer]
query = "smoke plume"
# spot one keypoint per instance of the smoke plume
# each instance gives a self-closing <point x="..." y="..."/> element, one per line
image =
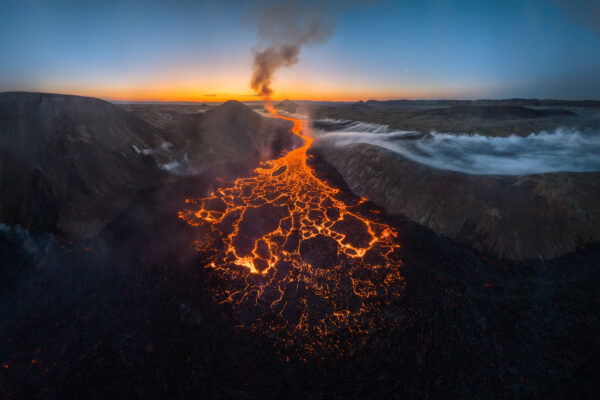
<point x="284" y="29"/>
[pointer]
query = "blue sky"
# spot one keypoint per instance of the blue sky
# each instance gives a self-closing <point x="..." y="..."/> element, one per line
<point x="387" y="49"/>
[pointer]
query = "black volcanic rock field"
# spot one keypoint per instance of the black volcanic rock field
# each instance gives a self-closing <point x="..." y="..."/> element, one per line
<point x="104" y="291"/>
<point x="515" y="217"/>
<point x="488" y="117"/>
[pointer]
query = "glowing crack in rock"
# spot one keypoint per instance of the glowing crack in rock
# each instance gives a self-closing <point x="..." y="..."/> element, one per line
<point x="294" y="259"/>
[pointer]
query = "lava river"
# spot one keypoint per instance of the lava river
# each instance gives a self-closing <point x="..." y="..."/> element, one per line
<point x="294" y="259"/>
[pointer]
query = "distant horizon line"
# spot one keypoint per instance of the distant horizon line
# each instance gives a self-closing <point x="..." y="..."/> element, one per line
<point x="156" y="101"/>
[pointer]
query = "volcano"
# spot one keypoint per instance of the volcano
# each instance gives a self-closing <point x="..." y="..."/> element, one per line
<point x="230" y="133"/>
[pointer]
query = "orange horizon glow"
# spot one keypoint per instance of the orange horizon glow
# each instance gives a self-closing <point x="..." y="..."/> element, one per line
<point x="219" y="98"/>
<point x="194" y="84"/>
<point x="179" y="94"/>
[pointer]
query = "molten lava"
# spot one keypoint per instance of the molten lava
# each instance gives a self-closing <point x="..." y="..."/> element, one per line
<point x="296" y="260"/>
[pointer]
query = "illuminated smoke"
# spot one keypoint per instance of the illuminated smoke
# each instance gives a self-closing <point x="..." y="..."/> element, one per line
<point x="267" y="62"/>
<point x="284" y="29"/>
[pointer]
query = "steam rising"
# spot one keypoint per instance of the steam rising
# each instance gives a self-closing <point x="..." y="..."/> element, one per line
<point x="561" y="150"/>
<point x="285" y="28"/>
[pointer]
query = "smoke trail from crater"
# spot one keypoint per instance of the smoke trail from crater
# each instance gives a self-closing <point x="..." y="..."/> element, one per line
<point x="285" y="28"/>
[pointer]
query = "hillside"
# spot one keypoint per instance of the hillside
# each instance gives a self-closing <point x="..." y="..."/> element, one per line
<point x="515" y="217"/>
<point x="68" y="163"/>
<point x="229" y="133"/>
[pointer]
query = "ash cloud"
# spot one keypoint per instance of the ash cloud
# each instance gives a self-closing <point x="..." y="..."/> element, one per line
<point x="285" y="28"/>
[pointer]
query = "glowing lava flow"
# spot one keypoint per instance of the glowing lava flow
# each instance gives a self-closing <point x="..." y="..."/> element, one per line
<point x="297" y="261"/>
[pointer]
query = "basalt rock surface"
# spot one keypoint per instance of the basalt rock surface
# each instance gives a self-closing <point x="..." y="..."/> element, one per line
<point x="514" y="217"/>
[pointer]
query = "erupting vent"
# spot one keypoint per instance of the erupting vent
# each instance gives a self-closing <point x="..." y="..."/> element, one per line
<point x="294" y="259"/>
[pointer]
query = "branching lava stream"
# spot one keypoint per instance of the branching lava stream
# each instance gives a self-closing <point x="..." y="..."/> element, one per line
<point x="293" y="259"/>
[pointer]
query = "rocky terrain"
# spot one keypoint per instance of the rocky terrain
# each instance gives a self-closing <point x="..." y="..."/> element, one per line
<point x="163" y="115"/>
<point x="129" y="315"/>
<point x="229" y="133"/>
<point x="68" y="164"/>
<point x="516" y="217"/>
<point x="488" y="117"/>
<point x="126" y="311"/>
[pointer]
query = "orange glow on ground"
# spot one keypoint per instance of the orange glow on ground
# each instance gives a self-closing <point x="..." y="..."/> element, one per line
<point x="304" y="264"/>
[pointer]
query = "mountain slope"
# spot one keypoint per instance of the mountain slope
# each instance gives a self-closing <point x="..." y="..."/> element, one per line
<point x="68" y="164"/>
<point x="230" y="133"/>
<point x="514" y="217"/>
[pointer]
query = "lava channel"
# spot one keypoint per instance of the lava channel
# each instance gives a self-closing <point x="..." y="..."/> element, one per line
<point x="296" y="261"/>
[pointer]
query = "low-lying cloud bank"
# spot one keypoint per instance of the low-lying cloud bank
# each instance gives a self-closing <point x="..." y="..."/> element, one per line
<point x="561" y="150"/>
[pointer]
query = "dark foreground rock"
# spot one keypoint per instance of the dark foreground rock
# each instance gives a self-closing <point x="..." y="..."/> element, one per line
<point x="129" y="315"/>
<point x="516" y="217"/>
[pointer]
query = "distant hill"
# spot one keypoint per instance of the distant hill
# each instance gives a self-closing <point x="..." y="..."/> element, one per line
<point x="487" y="117"/>
<point x="68" y="164"/>
<point x="494" y="112"/>
<point x="482" y="102"/>
<point x="287" y="105"/>
<point x="229" y="133"/>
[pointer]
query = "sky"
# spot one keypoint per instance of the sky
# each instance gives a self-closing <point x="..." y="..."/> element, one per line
<point x="203" y="50"/>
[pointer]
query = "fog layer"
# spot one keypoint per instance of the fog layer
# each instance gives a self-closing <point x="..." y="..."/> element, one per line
<point x="560" y="150"/>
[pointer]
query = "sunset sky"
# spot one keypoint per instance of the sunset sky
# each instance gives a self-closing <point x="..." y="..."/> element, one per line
<point x="202" y="50"/>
